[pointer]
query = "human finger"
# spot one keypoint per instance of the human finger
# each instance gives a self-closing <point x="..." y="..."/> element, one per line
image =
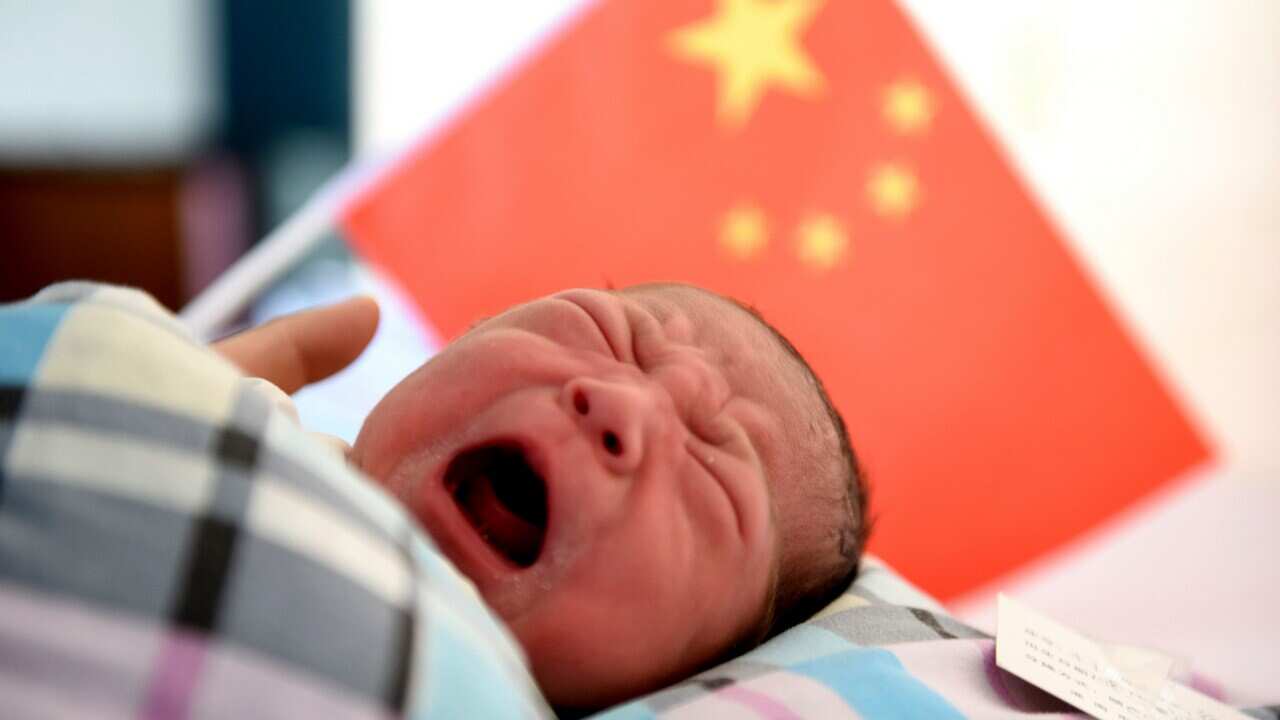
<point x="299" y="349"/>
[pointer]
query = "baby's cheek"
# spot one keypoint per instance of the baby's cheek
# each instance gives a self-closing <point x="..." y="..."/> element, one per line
<point x="375" y="441"/>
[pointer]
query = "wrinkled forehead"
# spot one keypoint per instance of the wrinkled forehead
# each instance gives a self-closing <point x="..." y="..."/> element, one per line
<point x="726" y="331"/>
<point x="756" y="363"/>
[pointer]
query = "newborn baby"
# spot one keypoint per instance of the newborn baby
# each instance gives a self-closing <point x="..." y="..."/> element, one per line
<point x="639" y="482"/>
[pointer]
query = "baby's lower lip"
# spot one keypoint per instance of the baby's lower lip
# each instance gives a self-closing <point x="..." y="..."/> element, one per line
<point x="454" y="535"/>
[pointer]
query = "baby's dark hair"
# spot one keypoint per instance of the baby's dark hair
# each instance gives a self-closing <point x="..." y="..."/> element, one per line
<point x="794" y="597"/>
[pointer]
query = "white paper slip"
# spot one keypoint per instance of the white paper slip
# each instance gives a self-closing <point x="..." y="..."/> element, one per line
<point x="1082" y="672"/>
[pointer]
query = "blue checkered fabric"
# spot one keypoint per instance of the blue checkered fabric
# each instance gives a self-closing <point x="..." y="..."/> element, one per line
<point x="173" y="545"/>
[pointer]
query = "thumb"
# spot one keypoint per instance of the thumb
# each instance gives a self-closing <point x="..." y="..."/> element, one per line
<point x="299" y="349"/>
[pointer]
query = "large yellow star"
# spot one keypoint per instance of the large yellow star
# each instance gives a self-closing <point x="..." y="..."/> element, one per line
<point x="753" y="45"/>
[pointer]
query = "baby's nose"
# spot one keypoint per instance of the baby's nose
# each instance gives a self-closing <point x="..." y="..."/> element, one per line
<point x="612" y="415"/>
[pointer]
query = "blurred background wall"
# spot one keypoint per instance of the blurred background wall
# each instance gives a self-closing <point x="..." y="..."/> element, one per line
<point x="150" y="142"/>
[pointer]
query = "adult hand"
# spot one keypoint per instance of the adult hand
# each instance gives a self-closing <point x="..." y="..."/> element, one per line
<point x="296" y="350"/>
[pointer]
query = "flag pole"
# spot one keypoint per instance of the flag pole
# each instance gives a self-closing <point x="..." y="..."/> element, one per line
<point x="232" y="291"/>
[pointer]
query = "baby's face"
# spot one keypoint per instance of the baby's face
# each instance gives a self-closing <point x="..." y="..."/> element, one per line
<point x="599" y="464"/>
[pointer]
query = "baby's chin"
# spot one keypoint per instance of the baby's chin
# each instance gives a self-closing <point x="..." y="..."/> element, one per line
<point x="589" y="650"/>
<point x="581" y="665"/>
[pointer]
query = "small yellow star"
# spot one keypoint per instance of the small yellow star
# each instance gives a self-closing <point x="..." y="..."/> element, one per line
<point x="894" y="190"/>
<point x="908" y="107"/>
<point x="743" y="232"/>
<point x="753" y="45"/>
<point x="822" y="241"/>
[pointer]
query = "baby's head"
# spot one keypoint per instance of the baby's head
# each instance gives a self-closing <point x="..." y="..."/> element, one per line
<point x="638" y="481"/>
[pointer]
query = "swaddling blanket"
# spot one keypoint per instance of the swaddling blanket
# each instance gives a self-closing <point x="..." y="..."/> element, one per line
<point x="172" y="545"/>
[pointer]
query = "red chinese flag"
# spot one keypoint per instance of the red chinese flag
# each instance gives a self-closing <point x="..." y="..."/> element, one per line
<point x="814" y="160"/>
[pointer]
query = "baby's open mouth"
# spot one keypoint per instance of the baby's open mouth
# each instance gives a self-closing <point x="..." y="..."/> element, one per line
<point x="503" y="497"/>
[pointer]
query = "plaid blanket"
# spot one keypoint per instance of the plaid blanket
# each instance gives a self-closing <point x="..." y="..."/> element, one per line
<point x="172" y="545"/>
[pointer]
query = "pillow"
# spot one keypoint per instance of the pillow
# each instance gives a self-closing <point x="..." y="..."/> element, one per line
<point x="883" y="649"/>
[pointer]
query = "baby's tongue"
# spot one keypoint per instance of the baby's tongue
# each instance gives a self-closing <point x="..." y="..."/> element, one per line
<point x="514" y="537"/>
